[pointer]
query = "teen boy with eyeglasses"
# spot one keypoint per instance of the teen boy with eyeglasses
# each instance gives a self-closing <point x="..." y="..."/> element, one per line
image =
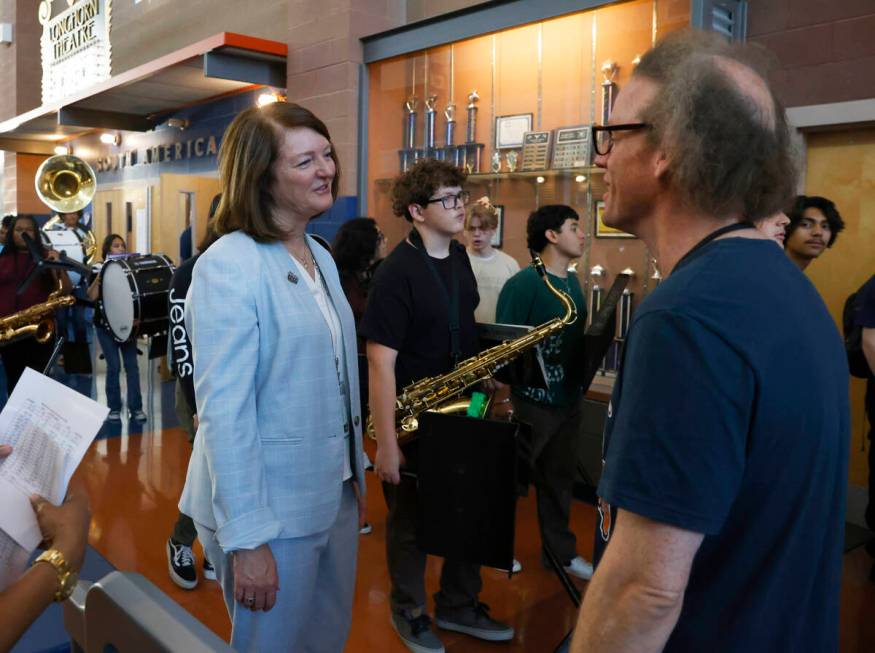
<point x="412" y="333"/>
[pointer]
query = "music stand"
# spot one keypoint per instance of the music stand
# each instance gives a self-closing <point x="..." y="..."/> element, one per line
<point x="467" y="489"/>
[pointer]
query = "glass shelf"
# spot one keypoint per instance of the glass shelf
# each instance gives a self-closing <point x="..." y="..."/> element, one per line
<point x="527" y="175"/>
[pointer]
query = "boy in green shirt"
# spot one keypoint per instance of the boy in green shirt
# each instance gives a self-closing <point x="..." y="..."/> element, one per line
<point x="555" y="412"/>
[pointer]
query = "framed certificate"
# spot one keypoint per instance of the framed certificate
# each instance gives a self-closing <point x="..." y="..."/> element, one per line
<point x="509" y="130"/>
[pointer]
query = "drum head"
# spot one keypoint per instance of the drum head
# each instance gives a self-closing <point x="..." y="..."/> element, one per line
<point x="118" y="302"/>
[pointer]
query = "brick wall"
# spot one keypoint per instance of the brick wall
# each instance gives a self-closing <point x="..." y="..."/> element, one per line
<point x="422" y="9"/>
<point x="826" y="48"/>
<point x="323" y="65"/>
<point x="144" y="31"/>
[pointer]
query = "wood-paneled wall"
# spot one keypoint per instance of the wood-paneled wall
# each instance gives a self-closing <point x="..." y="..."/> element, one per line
<point x="841" y="167"/>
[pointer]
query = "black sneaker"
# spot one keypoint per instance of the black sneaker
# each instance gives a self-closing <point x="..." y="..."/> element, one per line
<point x="209" y="570"/>
<point x="180" y="564"/>
<point x="416" y="633"/>
<point x="473" y="620"/>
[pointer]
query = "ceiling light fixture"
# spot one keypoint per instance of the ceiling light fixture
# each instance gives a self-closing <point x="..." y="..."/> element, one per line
<point x="110" y="138"/>
<point x="269" y="98"/>
<point x="178" y="123"/>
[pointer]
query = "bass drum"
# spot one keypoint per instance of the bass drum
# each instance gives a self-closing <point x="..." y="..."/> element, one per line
<point x="68" y="241"/>
<point x="133" y="295"/>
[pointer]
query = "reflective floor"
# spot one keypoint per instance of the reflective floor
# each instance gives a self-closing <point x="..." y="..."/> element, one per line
<point x="134" y="474"/>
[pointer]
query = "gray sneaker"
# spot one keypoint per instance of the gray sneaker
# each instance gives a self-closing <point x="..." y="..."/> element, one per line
<point x="473" y="620"/>
<point x="416" y="633"/>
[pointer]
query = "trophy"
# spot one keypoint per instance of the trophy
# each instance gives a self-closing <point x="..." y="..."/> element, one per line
<point x="609" y="88"/>
<point x="450" y="115"/>
<point x="472" y="116"/>
<point x="496" y="162"/>
<point x="656" y="277"/>
<point x="410" y="130"/>
<point x="407" y="154"/>
<point x="512" y="160"/>
<point x="597" y="293"/>
<point x="473" y="150"/>
<point x="429" y="122"/>
<point x="450" y="151"/>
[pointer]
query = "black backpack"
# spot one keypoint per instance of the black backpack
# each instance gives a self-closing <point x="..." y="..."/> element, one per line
<point x="854" y="338"/>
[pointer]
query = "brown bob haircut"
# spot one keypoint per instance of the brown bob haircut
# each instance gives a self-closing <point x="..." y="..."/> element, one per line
<point x="249" y="148"/>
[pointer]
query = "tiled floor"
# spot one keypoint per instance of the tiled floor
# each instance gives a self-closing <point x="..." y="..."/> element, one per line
<point x="134" y="475"/>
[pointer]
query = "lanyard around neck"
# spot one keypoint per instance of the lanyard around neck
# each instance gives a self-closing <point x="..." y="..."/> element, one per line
<point x="736" y="226"/>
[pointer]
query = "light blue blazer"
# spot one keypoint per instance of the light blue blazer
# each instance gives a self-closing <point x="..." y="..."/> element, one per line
<point x="268" y="456"/>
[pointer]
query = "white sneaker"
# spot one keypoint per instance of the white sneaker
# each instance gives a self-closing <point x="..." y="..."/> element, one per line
<point x="516" y="568"/>
<point x="579" y="568"/>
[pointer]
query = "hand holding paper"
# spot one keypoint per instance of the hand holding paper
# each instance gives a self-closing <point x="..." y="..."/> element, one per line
<point x="50" y="427"/>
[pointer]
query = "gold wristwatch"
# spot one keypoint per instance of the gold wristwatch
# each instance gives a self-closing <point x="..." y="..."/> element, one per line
<point x="67" y="578"/>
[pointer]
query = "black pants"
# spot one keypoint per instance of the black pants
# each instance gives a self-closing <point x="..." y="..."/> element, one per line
<point x="555" y="440"/>
<point x="460" y="581"/>
<point x="24" y="353"/>
<point x="183" y="530"/>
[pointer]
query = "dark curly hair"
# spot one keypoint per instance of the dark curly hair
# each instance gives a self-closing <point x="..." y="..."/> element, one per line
<point x="827" y="207"/>
<point x="355" y="245"/>
<point x="419" y="183"/>
<point x="548" y="217"/>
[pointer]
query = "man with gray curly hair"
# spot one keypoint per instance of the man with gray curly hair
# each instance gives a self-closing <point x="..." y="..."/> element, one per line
<point x="723" y="496"/>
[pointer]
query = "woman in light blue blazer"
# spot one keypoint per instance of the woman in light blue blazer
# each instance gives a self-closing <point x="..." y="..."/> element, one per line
<point x="275" y="483"/>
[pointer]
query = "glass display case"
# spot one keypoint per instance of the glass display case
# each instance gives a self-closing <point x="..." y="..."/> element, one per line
<point x="514" y="108"/>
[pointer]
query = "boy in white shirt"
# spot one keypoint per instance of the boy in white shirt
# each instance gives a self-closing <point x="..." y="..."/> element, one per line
<point x="491" y="267"/>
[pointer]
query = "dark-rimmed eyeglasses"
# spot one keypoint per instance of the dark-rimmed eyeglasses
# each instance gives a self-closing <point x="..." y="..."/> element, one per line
<point x="603" y="135"/>
<point x="452" y="201"/>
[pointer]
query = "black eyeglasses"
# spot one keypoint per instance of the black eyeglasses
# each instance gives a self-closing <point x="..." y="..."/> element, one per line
<point x="452" y="201"/>
<point x="603" y="135"/>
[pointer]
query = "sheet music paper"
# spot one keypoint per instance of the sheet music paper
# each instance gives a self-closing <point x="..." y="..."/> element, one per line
<point x="50" y="427"/>
<point x="13" y="560"/>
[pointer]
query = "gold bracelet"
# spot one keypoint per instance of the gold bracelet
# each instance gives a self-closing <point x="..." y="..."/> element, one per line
<point x="67" y="578"/>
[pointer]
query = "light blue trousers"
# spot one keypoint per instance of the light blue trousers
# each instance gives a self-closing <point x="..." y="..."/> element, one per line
<point x="316" y="573"/>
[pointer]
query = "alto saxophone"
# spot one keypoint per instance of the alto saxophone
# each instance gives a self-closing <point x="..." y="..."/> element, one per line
<point x="37" y="320"/>
<point x="437" y="393"/>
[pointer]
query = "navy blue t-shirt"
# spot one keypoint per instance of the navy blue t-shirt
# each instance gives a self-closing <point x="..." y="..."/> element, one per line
<point x="730" y="418"/>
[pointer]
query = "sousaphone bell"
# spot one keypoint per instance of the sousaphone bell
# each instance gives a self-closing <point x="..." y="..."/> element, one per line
<point x="67" y="184"/>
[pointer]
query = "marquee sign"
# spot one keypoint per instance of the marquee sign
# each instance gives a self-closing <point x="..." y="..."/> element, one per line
<point x="75" y="46"/>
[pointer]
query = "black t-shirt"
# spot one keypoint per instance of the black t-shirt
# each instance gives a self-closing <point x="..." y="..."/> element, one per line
<point x="408" y="310"/>
<point x="866" y="318"/>
<point x="730" y="418"/>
